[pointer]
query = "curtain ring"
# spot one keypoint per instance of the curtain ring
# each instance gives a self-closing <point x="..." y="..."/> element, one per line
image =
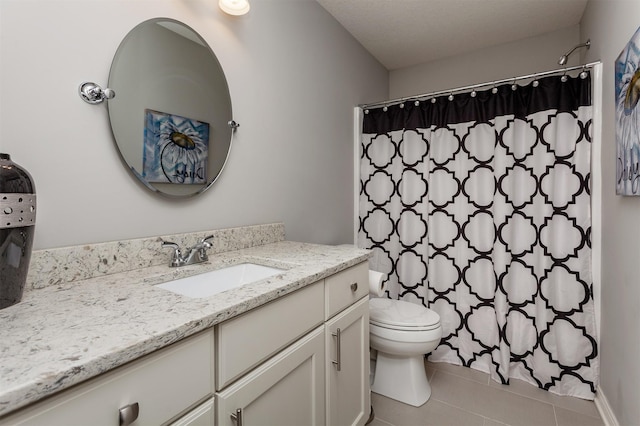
<point x="494" y="90"/>
<point x="401" y="105"/>
<point x="473" y="93"/>
<point x="433" y="100"/>
<point x="385" y="109"/>
<point x="584" y="73"/>
<point x="417" y="103"/>
<point x="564" y="77"/>
<point x="450" y="96"/>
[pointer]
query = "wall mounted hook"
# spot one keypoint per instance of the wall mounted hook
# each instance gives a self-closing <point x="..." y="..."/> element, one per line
<point x="91" y="93"/>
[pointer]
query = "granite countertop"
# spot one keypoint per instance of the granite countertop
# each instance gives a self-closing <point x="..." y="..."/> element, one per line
<point x="61" y="335"/>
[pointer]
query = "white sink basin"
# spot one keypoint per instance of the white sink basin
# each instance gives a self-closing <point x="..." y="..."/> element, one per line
<point x="213" y="282"/>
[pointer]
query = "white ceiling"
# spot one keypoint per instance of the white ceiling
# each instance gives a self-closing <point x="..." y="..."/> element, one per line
<point x="401" y="33"/>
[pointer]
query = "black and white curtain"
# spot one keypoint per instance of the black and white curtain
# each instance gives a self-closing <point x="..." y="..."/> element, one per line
<point x="478" y="207"/>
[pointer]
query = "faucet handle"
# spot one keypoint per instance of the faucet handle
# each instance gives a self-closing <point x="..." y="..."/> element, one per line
<point x="170" y="244"/>
<point x="206" y="241"/>
<point x="176" y="258"/>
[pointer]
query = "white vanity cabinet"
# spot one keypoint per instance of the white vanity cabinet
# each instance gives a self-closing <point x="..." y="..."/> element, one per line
<point x="165" y="385"/>
<point x="300" y="360"/>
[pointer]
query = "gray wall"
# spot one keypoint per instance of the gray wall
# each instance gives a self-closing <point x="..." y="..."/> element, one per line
<point x="610" y="24"/>
<point x="507" y="60"/>
<point x="294" y="75"/>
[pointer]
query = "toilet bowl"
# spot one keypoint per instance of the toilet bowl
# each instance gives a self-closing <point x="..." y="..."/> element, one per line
<point x="402" y="333"/>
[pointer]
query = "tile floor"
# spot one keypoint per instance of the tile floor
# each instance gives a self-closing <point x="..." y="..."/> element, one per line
<point x="464" y="397"/>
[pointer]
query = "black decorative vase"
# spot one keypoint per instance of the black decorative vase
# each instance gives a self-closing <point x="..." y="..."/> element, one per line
<point x="17" y="226"/>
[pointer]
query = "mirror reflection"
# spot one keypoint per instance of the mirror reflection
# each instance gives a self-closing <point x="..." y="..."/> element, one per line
<point x="170" y="115"/>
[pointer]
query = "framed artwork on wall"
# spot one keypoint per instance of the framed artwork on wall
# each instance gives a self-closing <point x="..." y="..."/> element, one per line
<point x="627" y="93"/>
<point x="175" y="149"/>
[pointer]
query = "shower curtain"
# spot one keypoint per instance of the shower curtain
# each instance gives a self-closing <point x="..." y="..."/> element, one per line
<point x="477" y="206"/>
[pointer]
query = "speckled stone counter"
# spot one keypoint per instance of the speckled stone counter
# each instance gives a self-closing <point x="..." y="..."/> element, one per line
<point x="70" y="331"/>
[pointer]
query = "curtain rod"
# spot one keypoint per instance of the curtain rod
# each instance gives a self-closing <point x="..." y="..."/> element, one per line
<point x="475" y="86"/>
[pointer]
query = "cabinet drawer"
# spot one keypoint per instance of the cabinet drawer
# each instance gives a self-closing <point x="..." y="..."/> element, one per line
<point x="164" y="384"/>
<point x="245" y="341"/>
<point x="345" y="288"/>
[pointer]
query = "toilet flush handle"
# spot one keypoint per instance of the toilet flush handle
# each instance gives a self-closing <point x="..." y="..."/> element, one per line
<point x="354" y="287"/>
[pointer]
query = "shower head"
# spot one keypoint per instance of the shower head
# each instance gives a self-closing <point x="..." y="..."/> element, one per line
<point x="563" y="59"/>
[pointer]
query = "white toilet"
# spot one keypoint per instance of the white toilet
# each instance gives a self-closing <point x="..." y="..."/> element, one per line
<point x="402" y="333"/>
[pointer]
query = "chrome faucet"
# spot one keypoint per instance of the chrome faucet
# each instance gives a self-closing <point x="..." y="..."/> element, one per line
<point x="193" y="255"/>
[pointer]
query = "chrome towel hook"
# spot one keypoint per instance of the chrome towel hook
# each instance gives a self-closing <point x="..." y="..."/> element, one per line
<point x="91" y="93"/>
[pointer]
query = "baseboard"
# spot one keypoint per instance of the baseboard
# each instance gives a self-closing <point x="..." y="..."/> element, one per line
<point x="602" y="404"/>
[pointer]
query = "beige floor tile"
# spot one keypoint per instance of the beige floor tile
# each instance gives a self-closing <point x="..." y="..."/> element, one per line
<point x="463" y="397"/>
<point x="378" y="422"/>
<point x="460" y="371"/>
<point x="433" y="413"/>
<point x="571" y="418"/>
<point x="489" y="422"/>
<point x="430" y="369"/>
<point x="525" y="389"/>
<point x="490" y="402"/>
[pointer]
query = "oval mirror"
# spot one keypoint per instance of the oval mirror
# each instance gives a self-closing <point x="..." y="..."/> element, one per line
<point x="170" y="116"/>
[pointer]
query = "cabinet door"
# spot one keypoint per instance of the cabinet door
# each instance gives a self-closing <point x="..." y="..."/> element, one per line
<point x="286" y="390"/>
<point x="348" y="395"/>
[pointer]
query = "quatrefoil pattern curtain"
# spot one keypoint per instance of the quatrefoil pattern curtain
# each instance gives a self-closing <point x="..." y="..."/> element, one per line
<point x="479" y="208"/>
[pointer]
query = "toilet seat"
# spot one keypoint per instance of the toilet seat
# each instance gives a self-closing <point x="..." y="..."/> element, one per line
<point x="399" y="328"/>
<point x="401" y="315"/>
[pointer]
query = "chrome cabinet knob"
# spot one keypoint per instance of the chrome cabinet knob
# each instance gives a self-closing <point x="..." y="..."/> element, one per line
<point x="129" y="414"/>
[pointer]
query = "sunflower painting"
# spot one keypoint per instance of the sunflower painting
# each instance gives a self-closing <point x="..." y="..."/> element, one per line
<point x="176" y="149"/>
<point x="627" y="92"/>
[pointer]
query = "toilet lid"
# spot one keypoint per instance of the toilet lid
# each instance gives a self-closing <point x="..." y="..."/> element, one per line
<point x="401" y="315"/>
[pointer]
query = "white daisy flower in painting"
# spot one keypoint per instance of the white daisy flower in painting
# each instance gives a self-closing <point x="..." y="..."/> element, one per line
<point x="627" y="74"/>
<point x="182" y="152"/>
